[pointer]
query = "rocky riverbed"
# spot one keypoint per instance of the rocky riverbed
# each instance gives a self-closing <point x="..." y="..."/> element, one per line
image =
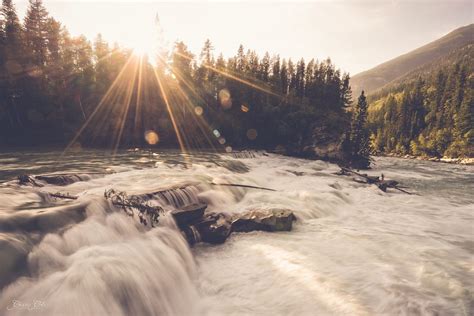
<point x="353" y="249"/>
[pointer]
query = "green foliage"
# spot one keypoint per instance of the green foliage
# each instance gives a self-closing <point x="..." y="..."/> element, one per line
<point x="433" y="116"/>
<point x="54" y="86"/>
<point x="357" y="144"/>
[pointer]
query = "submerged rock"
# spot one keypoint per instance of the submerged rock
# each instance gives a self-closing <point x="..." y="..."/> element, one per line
<point x="265" y="220"/>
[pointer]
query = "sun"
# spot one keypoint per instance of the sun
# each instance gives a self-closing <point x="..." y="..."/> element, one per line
<point x="143" y="38"/>
<point x="143" y="45"/>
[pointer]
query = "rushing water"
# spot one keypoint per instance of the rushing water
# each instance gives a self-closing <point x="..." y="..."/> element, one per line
<point x="354" y="250"/>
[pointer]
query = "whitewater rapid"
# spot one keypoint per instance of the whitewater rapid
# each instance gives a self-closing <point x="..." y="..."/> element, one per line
<point x="354" y="250"/>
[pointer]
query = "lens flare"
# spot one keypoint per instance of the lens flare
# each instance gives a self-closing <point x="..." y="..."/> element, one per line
<point x="225" y="99"/>
<point x="198" y="110"/>
<point x="222" y="140"/>
<point x="151" y="137"/>
<point x="216" y="133"/>
<point x="252" y="134"/>
<point x="228" y="149"/>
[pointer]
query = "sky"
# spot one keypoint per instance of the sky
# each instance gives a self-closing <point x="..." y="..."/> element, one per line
<point x="356" y="34"/>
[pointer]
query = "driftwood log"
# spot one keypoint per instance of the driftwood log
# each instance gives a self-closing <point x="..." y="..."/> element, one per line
<point x="380" y="182"/>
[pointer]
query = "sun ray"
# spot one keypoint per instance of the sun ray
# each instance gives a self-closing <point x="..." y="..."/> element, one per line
<point x="170" y="111"/>
<point x="99" y="105"/>
<point x="200" y="121"/>
<point x="190" y="87"/>
<point x="233" y="77"/>
<point x="129" y="94"/>
<point x="137" y="119"/>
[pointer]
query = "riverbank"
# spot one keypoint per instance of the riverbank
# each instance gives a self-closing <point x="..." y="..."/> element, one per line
<point x="461" y="161"/>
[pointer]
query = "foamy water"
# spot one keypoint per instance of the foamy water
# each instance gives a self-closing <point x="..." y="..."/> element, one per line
<point x="354" y="250"/>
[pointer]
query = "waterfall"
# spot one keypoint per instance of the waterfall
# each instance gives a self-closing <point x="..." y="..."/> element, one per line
<point x="176" y="198"/>
<point x="106" y="265"/>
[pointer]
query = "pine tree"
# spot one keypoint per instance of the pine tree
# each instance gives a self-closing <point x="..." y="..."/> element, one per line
<point x="346" y="92"/>
<point x="53" y="41"/>
<point x="204" y="73"/>
<point x="240" y="60"/>
<point x="12" y="32"/>
<point x="292" y="83"/>
<point x="264" y="71"/>
<point x="13" y="64"/>
<point x="102" y="60"/>
<point x="36" y="32"/>
<point x="299" y="78"/>
<point x="308" y="78"/>
<point x="417" y="123"/>
<point x="359" y="136"/>
<point x="284" y="78"/>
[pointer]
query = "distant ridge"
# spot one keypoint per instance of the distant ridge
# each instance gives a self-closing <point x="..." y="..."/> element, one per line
<point x="383" y="74"/>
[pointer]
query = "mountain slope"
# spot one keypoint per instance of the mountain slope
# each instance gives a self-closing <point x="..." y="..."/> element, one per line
<point x="427" y="112"/>
<point x="379" y="76"/>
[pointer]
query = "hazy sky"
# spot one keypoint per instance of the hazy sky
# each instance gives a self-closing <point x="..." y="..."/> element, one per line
<point x="356" y="34"/>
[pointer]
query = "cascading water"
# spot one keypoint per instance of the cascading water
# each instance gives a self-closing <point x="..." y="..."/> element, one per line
<point x="176" y="197"/>
<point x="354" y="250"/>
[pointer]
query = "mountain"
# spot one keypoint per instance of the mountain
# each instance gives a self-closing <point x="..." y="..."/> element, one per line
<point x="383" y="74"/>
<point x="462" y="55"/>
<point x="427" y="112"/>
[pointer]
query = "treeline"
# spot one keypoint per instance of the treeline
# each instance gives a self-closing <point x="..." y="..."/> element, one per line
<point x="56" y="88"/>
<point x="431" y="115"/>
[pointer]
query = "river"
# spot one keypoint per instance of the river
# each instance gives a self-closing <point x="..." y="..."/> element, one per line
<point x="354" y="250"/>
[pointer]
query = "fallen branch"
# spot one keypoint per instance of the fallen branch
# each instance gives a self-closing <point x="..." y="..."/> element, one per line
<point x="134" y="202"/>
<point x="399" y="189"/>
<point x="60" y="195"/>
<point x="242" y="186"/>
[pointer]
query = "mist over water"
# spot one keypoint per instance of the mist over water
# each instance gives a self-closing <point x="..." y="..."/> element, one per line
<point x="354" y="250"/>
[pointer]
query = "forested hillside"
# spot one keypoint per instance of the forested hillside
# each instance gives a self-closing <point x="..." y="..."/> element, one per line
<point x="429" y="112"/>
<point x="60" y="89"/>
<point x="397" y="68"/>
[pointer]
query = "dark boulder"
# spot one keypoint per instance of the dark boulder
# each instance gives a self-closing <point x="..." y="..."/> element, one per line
<point x="214" y="228"/>
<point x="189" y="214"/>
<point x="191" y="235"/>
<point x="63" y="179"/>
<point x="265" y="220"/>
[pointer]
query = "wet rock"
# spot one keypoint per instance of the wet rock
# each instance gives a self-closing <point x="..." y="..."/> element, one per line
<point x="43" y="220"/>
<point x="214" y="228"/>
<point x="63" y="179"/>
<point x="265" y="220"/>
<point x="56" y="179"/>
<point x="191" y="235"/>
<point x="189" y="214"/>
